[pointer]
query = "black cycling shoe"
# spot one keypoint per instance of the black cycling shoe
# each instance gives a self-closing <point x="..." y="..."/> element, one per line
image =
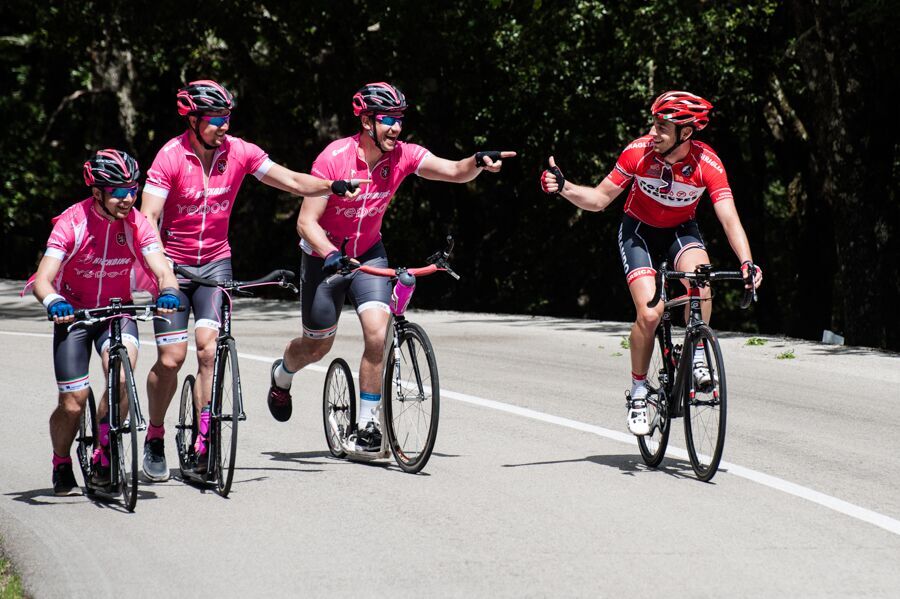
<point x="279" y="399"/>
<point x="369" y="438"/>
<point x="64" y="480"/>
<point x="100" y="476"/>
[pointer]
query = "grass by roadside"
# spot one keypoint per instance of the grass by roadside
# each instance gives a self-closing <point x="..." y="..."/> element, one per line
<point x="10" y="585"/>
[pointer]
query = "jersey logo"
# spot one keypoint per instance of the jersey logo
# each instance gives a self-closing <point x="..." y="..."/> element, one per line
<point x="687" y="170"/>
<point x="221" y="165"/>
<point x="385" y="171"/>
<point x="120" y="238"/>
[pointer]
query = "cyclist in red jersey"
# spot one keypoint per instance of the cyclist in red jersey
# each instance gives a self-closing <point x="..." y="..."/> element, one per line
<point x="90" y="255"/>
<point x="189" y="197"/>
<point x="668" y="172"/>
<point x="324" y="222"/>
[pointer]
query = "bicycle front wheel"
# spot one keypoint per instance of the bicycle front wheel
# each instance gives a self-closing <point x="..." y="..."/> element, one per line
<point x="705" y="407"/>
<point x="88" y="438"/>
<point x="653" y="445"/>
<point x="411" y="398"/>
<point x="126" y="432"/>
<point x="225" y="413"/>
<point x="186" y="431"/>
<point x="338" y="406"/>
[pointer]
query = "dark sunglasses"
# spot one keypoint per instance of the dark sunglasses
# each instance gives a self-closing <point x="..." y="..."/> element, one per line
<point x="389" y="121"/>
<point x="667" y="179"/>
<point x="121" y="193"/>
<point x="217" y="121"/>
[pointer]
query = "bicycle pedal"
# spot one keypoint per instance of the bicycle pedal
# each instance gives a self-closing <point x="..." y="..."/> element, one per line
<point x="242" y="417"/>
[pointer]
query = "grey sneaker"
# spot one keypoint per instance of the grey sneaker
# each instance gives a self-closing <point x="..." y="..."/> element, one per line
<point x="155" y="467"/>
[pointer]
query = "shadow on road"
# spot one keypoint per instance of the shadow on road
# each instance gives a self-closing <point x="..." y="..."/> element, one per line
<point x="628" y="464"/>
<point x="102" y="501"/>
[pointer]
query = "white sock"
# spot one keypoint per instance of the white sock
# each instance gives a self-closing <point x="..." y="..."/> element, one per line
<point x="639" y="389"/>
<point x="368" y="403"/>
<point x="283" y="376"/>
<point x="699" y="354"/>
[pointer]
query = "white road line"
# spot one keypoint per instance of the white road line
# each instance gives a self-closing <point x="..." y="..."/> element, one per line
<point x="773" y="482"/>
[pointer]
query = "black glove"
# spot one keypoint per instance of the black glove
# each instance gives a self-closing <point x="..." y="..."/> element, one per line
<point x="343" y="186"/>
<point x="560" y="180"/>
<point x="494" y="155"/>
<point x="333" y="262"/>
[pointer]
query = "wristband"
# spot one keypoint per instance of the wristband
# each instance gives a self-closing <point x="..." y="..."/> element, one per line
<point x="169" y="290"/>
<point x="52" y="298"/>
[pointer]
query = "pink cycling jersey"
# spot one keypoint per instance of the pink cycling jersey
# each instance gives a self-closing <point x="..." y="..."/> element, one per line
<point x="360" y="218"/>
<point x="194" y="227"/>
<point x="98" y="254"/>
<point x="662" y="201"/>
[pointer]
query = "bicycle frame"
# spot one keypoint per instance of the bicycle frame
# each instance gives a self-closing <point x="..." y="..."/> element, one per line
<point x="115" y="344"/>
<point x="679" y="362"/>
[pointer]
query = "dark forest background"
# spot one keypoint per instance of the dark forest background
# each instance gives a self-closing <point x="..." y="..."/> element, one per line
<point x="804" y="121"/>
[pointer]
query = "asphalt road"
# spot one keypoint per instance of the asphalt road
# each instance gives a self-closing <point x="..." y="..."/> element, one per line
<point x="535" y="489"/>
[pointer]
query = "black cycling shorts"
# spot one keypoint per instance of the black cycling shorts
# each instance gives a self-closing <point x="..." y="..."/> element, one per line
<point x="72" y="351"/>
<point x="640" y="244"/>
<point x="205" y="302"/>
<point x="322" y="297"/>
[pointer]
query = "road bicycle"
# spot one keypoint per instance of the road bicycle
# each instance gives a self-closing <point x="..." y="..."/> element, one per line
<point x="226" y="402"/>
<point x="125" y="422"/>
<point x="410" y="388"/>
<point x="672" y="390"/>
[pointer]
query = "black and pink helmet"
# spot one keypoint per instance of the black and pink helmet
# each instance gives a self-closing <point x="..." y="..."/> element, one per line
<point x="378" y="98"/>
<point x="202" y="96"/>
<point x="111" y="168"/>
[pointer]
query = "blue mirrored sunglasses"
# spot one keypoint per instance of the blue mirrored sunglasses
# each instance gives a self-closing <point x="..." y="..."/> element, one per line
<point x="217" y="121"/>
<point x="120" y="193"/>
<point x="389" y="121"/>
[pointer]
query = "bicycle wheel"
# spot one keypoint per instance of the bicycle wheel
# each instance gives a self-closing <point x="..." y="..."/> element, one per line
<point x="126" y="432"/>
<point x="88" y="435"/>
<point x="653" y="445"/>
<point x="411" y="399"/>
<point x="226" y="410"/>
<point x="705" y="409"/>
<point x="338" y="405"/>
<point x="186" y="431"/>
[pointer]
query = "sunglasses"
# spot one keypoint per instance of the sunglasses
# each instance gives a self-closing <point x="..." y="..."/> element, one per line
<point x="667" y="180"/>
<point x="217" y="121"/>
<point x="121" y="193"/>
<point x="389" y="121"/>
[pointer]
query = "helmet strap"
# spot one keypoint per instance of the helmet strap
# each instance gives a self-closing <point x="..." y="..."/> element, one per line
<point x="200" y="137"/>
<point x="374" y="135"/>
<point x="102" y="201"/>
<point x="678" y="143"/>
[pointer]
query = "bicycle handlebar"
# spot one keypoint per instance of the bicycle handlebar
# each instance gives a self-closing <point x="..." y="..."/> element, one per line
<point x="280" y="276"/>
<point x="705" y="274"/>
<point x="436" y="262"/>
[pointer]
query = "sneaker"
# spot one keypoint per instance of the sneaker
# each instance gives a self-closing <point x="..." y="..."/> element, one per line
<point x="100" y="474"/>
<point x="64" y="481"/>
<point x="368" y="438"/>
<point x="200" y="454"/>
<point x="702" y="377"/>
<point x="638" y="424"/>
<point x="155" y="467"/>
<point x="279" y="399"/>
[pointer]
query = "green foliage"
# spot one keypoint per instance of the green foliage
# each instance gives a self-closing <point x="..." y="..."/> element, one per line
<point x="755" y="341"/>
<point x="10" y="585"/>
<point x="786" y="355"/>
<point x="625" y="343"/>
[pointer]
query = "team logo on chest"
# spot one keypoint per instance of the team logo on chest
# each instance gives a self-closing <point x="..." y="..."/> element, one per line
<point x="221" y="165"/>
<point x="687" y="170"/>
<point x="120" y="238"/>
<point x="385" y="171"/>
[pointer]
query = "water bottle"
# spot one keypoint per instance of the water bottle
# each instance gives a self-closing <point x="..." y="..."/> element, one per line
<point x="403" y="290"/>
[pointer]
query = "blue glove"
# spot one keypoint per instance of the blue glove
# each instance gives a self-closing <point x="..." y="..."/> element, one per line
<point x="333" y="262"/>
<point x="167" y="300"/>
<point x="60" y="309"/>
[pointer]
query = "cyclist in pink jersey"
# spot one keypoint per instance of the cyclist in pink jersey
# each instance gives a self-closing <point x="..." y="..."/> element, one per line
<point x="375" y="153"/>
<point x="90" y="255"/>
<point x="190" y="194"/>
<point x="668" y="172"/>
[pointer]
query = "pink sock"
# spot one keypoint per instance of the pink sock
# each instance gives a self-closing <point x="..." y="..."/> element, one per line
<point x="204" y="422"/>
<point x="57" y="460"/>
<point x="155" y="432"/>
<point x="104" y="434"/>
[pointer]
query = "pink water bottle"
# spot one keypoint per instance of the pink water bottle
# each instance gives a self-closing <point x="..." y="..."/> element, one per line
<point x="403" y="290"/>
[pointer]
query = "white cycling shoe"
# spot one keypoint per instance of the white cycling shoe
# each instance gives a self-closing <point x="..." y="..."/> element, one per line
<point x="702" y="378"/>
<point x="638" y="424"/>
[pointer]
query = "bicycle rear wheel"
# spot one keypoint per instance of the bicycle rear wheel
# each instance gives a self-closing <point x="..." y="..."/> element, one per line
<point x="88" y="436"/>
<point x="186" y="431"/>
<point x="338" y="406"/>
<point x="705" y="409"/>
<point x="226" y="410"/>
<point x="653" y="445"/>
<point x="411" y="399"/>
<point x="125" y="461"/>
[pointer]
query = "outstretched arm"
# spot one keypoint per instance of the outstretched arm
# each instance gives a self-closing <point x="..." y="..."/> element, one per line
<point x="296" y="183"/>
<point x="594" y="199"/>
<point x="461" y="171"/>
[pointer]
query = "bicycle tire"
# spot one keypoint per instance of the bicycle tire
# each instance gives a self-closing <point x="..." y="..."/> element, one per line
<point x="409" y="402"/>
<point x="225" y="412"/>
<point x="88" y="437"/>
<point x="705" y="410"/>
<point x="338" y="406"/>
<point x="186" y="430"/>
<point x="653" y="445"/>
<point x="126" y="436"/>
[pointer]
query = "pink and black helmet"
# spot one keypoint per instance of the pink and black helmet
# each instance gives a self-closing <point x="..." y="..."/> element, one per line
<point x="682" y="108"/>
<point x="202" y="96"/>
<point x="111" y="168"/>
<point x="378" y="98"/>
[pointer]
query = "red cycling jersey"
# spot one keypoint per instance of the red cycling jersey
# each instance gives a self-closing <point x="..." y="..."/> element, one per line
<point x="667" y="195"/>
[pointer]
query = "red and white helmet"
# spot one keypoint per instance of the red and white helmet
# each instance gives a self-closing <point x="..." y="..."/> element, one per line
<point x="378" y="98"/>
<point x="202" y="96"/>
<point x="682" y="108"/>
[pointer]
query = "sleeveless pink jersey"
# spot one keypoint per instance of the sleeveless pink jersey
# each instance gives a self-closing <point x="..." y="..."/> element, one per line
<point x="98" y="254"/>
<point x="360" y="218"/>
<point x="194" y="227"/>
<point x="661" y="201"/>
